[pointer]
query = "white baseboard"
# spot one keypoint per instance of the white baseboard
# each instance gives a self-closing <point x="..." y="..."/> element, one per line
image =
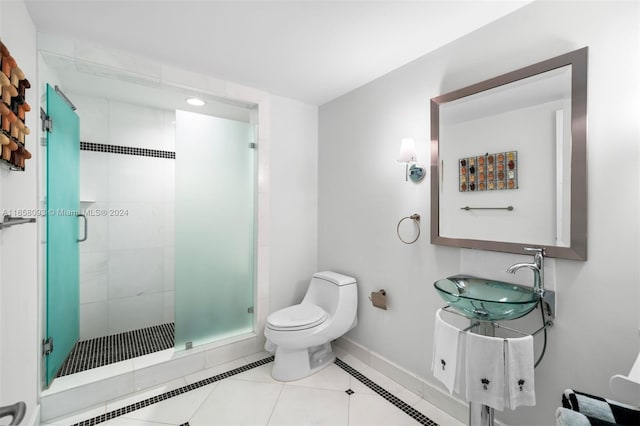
<point x="35" y="416"/>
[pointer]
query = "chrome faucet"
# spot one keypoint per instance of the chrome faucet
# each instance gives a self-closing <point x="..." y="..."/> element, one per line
<point x="537" y="267"/>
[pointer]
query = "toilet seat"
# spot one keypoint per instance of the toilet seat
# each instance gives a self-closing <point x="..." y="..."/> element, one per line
<point x="297" y="317"/>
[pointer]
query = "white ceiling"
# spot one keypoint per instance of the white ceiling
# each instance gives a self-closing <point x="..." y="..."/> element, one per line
<point x="313" y="51"/>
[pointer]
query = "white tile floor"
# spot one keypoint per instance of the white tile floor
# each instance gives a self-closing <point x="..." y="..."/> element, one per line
<point x="254" y="398"/>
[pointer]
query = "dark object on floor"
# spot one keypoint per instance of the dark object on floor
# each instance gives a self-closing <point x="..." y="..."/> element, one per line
<point x="582" y="409"/>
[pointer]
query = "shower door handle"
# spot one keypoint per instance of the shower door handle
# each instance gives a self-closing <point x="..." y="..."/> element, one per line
<point x="86" y="228"/>
<point x="16" y="411"/>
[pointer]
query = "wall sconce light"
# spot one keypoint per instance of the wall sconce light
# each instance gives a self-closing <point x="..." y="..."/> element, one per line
<point x="408" y="157"/>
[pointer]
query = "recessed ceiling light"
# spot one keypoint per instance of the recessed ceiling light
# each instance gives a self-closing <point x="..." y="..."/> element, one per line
<point x="195" y="101"/>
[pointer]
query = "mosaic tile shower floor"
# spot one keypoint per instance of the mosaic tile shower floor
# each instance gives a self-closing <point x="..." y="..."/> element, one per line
<point x="93" y="353"/>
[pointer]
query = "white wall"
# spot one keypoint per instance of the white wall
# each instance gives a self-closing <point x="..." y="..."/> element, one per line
<point x="294" y="200"/>
<point x="362" y="195"/>
<point x="19" y="313"/>
<point x="127" y="264"/>
<point x="287" y="200"/>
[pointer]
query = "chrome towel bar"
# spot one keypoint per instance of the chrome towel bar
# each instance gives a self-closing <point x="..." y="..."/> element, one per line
<point x="467" y="208"/>
<point x="9" y="221"/>
<point x="495" y="324"/>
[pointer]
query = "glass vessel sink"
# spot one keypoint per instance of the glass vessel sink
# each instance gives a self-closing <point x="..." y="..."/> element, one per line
<point x="485" y="299"/>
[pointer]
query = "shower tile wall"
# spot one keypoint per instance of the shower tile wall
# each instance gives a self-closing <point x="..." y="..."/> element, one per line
<point x="127" y="262"/>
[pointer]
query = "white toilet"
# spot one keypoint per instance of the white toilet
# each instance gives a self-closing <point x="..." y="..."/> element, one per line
<point x="302" y="333"/>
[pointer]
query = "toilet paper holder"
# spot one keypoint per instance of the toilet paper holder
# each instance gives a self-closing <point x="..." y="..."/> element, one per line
<point x="379" y="299"/>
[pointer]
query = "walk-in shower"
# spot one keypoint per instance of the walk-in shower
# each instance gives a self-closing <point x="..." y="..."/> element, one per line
<point x="170" y="204"/>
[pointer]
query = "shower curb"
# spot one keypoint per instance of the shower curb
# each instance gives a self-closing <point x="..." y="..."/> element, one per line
<point x="78" y="392"/>
<point x="170" y="394"/>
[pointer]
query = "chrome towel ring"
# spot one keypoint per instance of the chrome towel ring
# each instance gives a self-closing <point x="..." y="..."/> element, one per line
<point x="416" y="220"/>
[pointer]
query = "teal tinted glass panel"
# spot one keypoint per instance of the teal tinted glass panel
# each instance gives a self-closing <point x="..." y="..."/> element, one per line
<point x="215" y="174"/>
<point x="62" y="301"/>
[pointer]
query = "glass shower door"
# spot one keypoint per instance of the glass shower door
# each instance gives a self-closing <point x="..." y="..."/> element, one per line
<point x="215" y="174"/>
<point x="63" y="201"/>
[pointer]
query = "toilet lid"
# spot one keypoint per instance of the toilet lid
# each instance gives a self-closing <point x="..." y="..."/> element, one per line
<point x="297" y="317"/>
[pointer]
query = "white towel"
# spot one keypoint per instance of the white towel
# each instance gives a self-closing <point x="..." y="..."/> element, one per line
<point x="519" y="366"/>
<point x="445" y="352"/>
<point x="485" y="370"/>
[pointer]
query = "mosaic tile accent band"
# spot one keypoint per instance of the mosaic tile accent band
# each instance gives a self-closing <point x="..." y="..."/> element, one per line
<point x="100" y="351"/>
<point x="415" y="414"/>
<point x="164" y="396"/>
<point x="127" y="150"/>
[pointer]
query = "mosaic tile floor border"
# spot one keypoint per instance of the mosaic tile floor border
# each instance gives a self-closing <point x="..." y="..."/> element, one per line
<point x="93" y="353"/>
<point x="406" y="408"/>
<point x="164" y="396"/>
<point x="415" y="414"/>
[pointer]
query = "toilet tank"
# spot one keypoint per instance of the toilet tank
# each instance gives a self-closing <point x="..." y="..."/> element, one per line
<point x="325" y="288"/>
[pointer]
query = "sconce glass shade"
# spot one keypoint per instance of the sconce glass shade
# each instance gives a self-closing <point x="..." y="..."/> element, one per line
<point x="407" y="151"/>
<point x="407" y="156"/>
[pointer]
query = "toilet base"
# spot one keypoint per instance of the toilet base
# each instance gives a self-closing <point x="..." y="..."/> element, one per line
<point x="295" y="364"/>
